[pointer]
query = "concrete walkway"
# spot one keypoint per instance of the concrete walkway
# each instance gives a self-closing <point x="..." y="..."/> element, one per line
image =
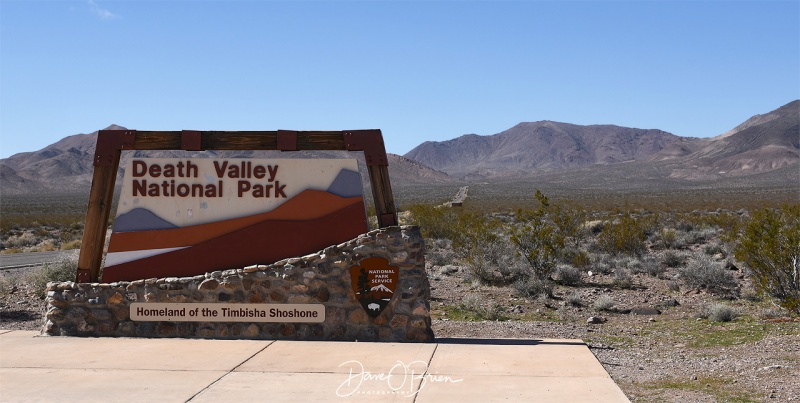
<point x="40" y="368"/>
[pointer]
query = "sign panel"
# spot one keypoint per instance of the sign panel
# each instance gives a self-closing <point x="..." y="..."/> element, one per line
<point x="183" y="217"/>
<point x="374" y="282"/>
<point x="222" y="312"/>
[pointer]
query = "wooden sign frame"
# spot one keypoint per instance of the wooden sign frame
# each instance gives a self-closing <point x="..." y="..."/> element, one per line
<point x="110" y="144"/>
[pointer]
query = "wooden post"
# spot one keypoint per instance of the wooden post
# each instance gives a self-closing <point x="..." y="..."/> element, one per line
<point x="111" y="142"/>
<point x="106" y="162"/>
<point x="382" y="195"/>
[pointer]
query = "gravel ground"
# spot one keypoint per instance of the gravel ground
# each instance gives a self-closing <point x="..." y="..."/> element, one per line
<point x="671" y="356"/>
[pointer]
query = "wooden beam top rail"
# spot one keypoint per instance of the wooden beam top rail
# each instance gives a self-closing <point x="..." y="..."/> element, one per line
<point x="244" y="140"/>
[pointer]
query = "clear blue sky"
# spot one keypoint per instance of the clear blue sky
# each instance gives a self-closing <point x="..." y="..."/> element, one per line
<point x="417" y="70"/>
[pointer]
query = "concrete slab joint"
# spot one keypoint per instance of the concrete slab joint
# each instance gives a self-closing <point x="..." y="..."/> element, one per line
<point x="322" y="281"/>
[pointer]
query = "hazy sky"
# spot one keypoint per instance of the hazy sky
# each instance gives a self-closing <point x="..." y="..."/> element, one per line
<point x="417" y="70"/>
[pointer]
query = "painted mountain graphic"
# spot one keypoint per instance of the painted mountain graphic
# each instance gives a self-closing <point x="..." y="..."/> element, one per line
<point x="346" y="184"/>
<point x="140" y="219"/>
<point x="381" y="288"/>
<point x="308" y="222"/>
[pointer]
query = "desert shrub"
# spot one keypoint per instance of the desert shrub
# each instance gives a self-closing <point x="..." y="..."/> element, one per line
<point x="74" y="244"/>
<point x="594" y="227"/>
<point x="473" y="304"/>
<point x="492" y="311"/>
<point x="492" y="260"/>
<point x="580" y="259"/>
<point x="622" y="278"/>
<point x="603" y="303"/>
<point x="701" y="272"/>
<point x="568" y="275"/>
<point x="624" y="235"/>
<point x="667" y="239"/>
<point x="696" y="236"/>
<point x="628" y="262"/>
<point x="574" y="299"/>
<point x="601" y="267"/>
<point x="718" y="313"/>
<point x="27" y="238"/>
<point x="476" y="238"/>
<point x="685" y="224"/>
<point x="673" y="258"/>
<point x="714" y="249"/>
<point x="652" y="266"/>
<point x="532" y="287"/>
<point x="674" y="286"/>
<point x="774" y="313"/>
<point x="440" y="252"/>
<point x="64" y="269"/>
<point x="6" y="285"/>
<point x="770" y="247"/>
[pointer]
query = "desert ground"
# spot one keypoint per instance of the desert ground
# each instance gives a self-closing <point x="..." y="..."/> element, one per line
<point x="675" y="318"/>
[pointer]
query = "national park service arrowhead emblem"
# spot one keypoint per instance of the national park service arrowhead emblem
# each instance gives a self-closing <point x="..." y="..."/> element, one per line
<point x="374" y="283"/>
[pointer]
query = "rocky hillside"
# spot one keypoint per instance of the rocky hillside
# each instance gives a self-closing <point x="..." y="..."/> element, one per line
<point x="761" y="144"/>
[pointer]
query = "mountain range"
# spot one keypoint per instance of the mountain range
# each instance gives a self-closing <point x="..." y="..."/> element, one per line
<point x="764" y="148"/>
<point x="760" y="144"/>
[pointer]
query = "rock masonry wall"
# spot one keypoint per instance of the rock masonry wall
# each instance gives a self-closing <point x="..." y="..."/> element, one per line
<point x="98" y="309"/>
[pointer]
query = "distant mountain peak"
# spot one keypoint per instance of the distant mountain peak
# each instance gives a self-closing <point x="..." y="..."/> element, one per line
<point x="529" y="147"/>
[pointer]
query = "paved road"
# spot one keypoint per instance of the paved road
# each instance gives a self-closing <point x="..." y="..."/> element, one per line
<point x="459" y="198"/>
<point x="17" y="260"/>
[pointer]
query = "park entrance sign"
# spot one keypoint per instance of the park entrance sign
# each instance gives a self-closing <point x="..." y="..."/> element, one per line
<point x="232" y="248"/>
<point x="226" y="213"/>
<point x="188" y="216"/>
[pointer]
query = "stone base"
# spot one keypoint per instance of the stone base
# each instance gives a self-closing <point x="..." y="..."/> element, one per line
<point x="99" y="309"/>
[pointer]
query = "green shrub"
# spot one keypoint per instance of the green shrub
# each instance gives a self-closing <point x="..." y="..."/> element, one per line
<point x="580" y="259"/>
<point x="569" y="224"/>
<point x="668" y="238"/>
<point x="539" y="242"/>
<point x="770" y="247"/>
<point x="434" y="221"/>
<point x="624" y="235"/>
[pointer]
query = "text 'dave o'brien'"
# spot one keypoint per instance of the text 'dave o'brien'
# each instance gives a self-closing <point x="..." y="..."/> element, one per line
<point x="225" y="312"/>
